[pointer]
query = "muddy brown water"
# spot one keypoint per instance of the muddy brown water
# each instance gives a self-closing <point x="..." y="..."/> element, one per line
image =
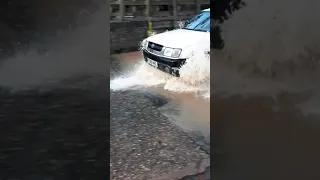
<point x="264" y="139"/>
<point x="184" y="109"/>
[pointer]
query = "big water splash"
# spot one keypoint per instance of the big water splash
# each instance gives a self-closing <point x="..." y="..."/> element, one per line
<point x="194" y="76"/>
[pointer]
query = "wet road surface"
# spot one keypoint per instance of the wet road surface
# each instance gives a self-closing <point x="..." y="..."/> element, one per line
<point x="153" y="133"/>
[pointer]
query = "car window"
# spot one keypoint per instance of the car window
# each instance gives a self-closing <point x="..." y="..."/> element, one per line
<point x="204" y="25"/>
<point x="200" y="22"/>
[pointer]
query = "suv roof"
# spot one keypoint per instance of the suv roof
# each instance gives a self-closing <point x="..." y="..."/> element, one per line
<point x="206" y="9"/>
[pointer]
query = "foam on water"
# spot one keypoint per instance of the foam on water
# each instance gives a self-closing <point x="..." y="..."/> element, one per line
<point x="140" y="76"/>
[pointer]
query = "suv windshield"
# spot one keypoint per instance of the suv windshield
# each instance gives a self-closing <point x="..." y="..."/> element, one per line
<point x="200" y="22"/>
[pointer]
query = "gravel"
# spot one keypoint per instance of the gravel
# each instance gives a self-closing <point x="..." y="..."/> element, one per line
<point x="145" y="145"/>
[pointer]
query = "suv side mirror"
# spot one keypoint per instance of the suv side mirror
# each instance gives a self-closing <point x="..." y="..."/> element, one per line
<point x="182" y="24"/>
<point x="186" y="22"/>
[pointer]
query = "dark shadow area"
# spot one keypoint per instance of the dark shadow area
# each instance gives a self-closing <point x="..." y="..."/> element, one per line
<point x="220" y="11"/>
<point x="156" y="99"/>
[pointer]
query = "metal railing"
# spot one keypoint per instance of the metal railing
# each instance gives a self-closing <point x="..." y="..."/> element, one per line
<point x="155" y="10"/>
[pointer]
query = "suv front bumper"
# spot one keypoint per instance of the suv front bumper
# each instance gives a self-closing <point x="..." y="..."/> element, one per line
<point x="170" y="66"/>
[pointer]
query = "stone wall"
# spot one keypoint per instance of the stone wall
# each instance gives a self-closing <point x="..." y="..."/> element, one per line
<point x="126" y="35"/>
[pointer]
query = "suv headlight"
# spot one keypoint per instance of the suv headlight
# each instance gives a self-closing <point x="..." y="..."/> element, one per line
<point x="144" y="44"/>
<point x="172" y="52"/>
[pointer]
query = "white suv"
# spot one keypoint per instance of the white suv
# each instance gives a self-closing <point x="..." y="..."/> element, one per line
<point x="168" y="51"/>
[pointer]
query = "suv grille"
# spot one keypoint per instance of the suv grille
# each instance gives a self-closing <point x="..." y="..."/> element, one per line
<point x="154" y="47"/>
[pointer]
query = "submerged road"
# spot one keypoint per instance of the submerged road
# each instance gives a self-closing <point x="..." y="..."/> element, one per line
<point x="148" y="141"/>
